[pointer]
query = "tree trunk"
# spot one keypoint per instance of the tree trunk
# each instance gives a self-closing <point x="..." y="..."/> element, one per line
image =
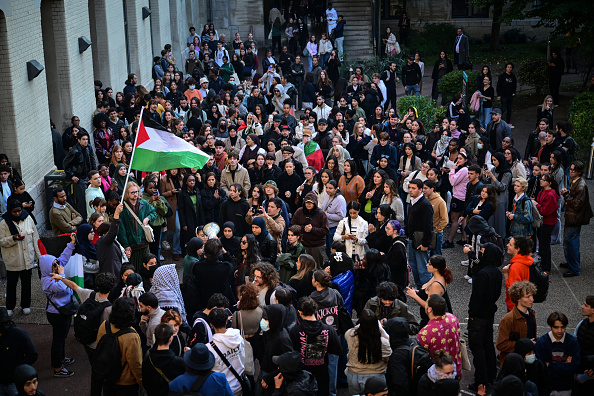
<point x="496" y="25"/>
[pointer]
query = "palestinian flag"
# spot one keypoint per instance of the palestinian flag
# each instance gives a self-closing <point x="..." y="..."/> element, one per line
<point x="157" y="149"/>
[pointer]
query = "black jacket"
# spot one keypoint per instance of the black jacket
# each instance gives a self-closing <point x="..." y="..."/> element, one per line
<point x="79" y="161"/>
<point x="109" y="253"/>
<point x="211" y="204"/>
<point x="420" y="218"/>
<point x="17" y="348"/>
<point x="170" y="365"/>
<point x="506" y="84"/>
<point x="214" y="276"/>
<point x="398" y="371"/>
<point x="411" y="74"/>
<point x="486" y="289"/>
<point x="235" y="211"/>
<point x="190" y="215"/>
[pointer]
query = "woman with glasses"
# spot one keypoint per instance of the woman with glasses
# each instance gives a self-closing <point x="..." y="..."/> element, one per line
<point x="249" y="255"/>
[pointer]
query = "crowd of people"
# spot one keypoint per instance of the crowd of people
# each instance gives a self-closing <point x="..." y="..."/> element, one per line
<point x="319" y="223"/>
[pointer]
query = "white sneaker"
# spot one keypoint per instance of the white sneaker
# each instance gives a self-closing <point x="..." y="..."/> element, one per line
<point x="165" y="245"/>
<point x="467" y="277"/>
<point x="27" y="311"/>
<point x="511" y="126"/>
<point x="465" y="263"/>
<point x="9" y="311"/>
<point x="161" y="258"/>
<point x="459" y="231"/>
<point x="470" y="281"/>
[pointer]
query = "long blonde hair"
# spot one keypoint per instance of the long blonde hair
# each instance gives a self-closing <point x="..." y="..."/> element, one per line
<point x="544" y="103"/>
<point x="308" y="264"/>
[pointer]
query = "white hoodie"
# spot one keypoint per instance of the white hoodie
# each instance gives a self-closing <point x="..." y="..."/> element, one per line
<point x="231" y="345"/>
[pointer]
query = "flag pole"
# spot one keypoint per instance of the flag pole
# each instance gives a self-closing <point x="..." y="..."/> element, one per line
<point x="132" y="157"/>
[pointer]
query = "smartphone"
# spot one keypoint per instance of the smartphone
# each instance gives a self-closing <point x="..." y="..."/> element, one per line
<point x="155" y="193"/>
<point x="256" y="209"/>
<point x="485" y="167"/>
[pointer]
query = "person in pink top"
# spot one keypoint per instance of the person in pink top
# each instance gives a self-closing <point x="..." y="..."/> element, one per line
<point x="547" y="202"/>
<point x="454" y="132"/>
<point x="458" y="180"/>
<point x="442" y="331"/>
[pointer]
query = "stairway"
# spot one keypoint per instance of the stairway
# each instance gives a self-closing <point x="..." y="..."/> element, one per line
<point x="358" y="31"/>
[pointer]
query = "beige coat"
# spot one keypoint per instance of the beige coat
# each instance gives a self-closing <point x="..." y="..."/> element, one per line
<point x="20" y="255"/>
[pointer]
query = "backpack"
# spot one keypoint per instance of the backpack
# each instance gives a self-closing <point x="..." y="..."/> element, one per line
<point x="536" y="216"/>
<point x="420" y="361"/>
<point x="541" y="280"/>
<point x="87" y="319"/>
<point x="195" y="389"/>
<point x="107" y="366"/>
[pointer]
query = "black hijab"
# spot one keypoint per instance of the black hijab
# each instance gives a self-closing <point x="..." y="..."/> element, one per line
<point x="232" y="245"/>
<point x="10" y="219"/>
<point x="503" y="165"/>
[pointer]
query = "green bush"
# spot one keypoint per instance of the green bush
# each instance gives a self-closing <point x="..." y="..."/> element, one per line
<point x="451" y="84"/>
<point x="426" y="107"/>
<point x="430" y="39"/>
<point x="371" y="65"/>
<point x="581" y="115"/>
<point x="534" y="73"/>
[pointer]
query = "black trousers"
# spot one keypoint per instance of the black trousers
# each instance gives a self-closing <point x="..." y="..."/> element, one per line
<point x="507" y="103"/>
<point x="391" y="100"/>
<point x="480" y="341"/>
<point x="11" y="288"/>
<point x="544" y="246"/>
<point x="60" y="328"/>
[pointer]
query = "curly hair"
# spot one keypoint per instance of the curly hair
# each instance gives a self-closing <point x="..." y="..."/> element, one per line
<point x="520" y="289"/>
<point x="248" y="297"/>
<point x="269" y="273"/>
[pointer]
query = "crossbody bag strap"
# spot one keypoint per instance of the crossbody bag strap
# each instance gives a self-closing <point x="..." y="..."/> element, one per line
<point x="224" y="359"/>
<point x="241" y="324"/>
<point x="133" y="214"/>
<point x="159" y="370"/>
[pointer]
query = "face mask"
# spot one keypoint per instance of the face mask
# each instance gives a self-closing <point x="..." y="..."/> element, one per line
<point x="479" y="146"/>
<point x="530" y="359"/>
<point x="192" y="87"/>
<point x="444" y="138"/>
<point x="264" y="325"/>
<point x="308" y="139"/>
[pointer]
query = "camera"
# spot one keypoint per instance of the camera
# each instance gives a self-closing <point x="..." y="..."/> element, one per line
<point x="256" y="209"/>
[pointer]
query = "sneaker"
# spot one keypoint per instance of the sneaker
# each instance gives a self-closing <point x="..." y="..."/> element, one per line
<point x="161" y="258"/>
<point x="68" y="361"/>
<point x="447" y="245"/>
<point x="570" y="274"/>
<point x="165" y="245"/>
<point x="64" y="372"/>
<point x="511" y="126"/>
<point x="470" y="281"/>
<point x="9" y="311"/>
<point x="26" y="311"/>
<point x="562" y="265"/>
<point x="467" y="277"/>
<point x="465" y="263"/>
<point x="458" y="231"/>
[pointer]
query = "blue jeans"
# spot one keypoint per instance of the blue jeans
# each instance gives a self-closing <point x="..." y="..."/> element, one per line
<point x="339" y="46"/>
<point x="309" y="63"/>
<point x="175" y="247"/>
<point x="323" y="59"/>
<point x="330" y="240"/>
<point x="418" y="262"/>
<point x="416" y="89"/>
<point x="485" y="117"/>
<point x="571" y="247"/>
<point x="357" y="381"/>
<point x="332" y="372"/>
<point x="438" y="247"/>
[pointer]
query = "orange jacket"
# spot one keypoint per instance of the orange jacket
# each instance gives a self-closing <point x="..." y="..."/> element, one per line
<point x="519" y="270"/>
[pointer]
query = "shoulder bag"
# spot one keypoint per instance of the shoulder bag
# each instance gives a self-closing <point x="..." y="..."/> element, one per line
<point x="248" y="364"/>
<point x="67" y="309"/>
<point x="148" y="231"/>
<point x="244" y="381"/>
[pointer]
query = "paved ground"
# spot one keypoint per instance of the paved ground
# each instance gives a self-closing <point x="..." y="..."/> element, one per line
<point x="565" y="295"/>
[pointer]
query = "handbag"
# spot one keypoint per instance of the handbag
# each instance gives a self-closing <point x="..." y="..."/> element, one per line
<point x="67" y="309"/>
<point x="148" y="231"/>
<point x="418" y="239"/>
<point x="305" y="52"/>
<point x="465" y="359"/>
<point x="246" y="385"/>
<point x="345" y="322"/>
<point x="249" y="351"/>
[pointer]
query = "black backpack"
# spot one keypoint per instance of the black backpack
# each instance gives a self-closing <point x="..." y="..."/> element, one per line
<point x="420" y="362"/>
<point x="541" y="280"/>
<point x="88" y="319"/>
<point x="107" y="361"/>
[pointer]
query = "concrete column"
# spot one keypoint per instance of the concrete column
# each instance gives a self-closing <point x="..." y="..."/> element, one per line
<point x="106" y="18"/>
<point x="179" y="31"/>
<point x="139" y="36"/>
<point x="70" y="73"/>
<point x="25" y="134"/>
<point x="160" y="24"/>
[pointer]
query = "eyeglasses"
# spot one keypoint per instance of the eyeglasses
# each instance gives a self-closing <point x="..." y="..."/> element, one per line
<point x="572" y="170"/>
<point x="133" y="192"/>
<point x="243" y="241"/>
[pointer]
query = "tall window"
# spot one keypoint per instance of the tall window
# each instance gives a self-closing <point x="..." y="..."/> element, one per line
<point x="466" y="9"/>
<point x="392" y="9"/>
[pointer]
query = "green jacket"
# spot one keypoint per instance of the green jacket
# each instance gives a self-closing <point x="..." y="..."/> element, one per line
<point x="161" y="209"/>
<point x="127" y="236"/>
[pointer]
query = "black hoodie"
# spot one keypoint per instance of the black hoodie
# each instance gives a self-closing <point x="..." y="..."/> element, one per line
<point x="398" y="372"/>
<point x="276" y="339"/>
<point x="486" y="284"/>
<point x="17" y="348"/>
<point x="170" y="365"/>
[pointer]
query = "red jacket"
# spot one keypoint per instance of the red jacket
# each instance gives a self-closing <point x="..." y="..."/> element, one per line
<point x="548" y="202"/>
<point x="519" y="270"/>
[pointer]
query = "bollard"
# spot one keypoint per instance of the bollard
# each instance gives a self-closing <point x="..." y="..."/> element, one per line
<point x="590" y="160"/>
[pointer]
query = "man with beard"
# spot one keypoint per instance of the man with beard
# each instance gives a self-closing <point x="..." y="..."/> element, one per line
<point x="151" y="316"/>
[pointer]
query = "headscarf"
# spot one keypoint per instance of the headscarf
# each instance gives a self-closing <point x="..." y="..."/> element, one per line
<point x="166" y="288"/>
<point x="85" y="247"/>
<point x="513" y="365"/>
<point x="510" y="386"/>
<point x="398" y="329"/>
<point x="275" y="314"/>
<point x="503" y="165"/>
<point x="260" y="222"/>
<point x="10" y="219"/>
<point x="193" y="246"/>
<point x="121" y="180"/>
<point x="442" y="145"/>
<point x="230" y="244"/>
